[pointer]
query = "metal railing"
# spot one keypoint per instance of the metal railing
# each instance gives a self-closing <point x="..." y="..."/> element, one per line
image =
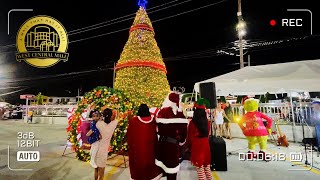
<point x="302" y="112"/>
<point x="49" y="110"/>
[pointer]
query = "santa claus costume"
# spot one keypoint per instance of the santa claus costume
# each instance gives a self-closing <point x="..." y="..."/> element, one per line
<point x="254" y="129"/>
<point x="142" y="141"/>
<point x="198" y="133"/>
<point x="172" y="132"/>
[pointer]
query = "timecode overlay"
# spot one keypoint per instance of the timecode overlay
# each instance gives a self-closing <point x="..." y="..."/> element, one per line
<point x="25" y="142"/>
<point x="260" y="157"/>
<point x="298" y="159"/>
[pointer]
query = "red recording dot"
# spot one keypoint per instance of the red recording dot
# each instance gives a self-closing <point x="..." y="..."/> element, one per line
<point x="273" y="22"/>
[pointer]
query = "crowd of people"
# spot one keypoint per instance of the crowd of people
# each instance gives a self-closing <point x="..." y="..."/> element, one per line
<point x="222" y="117"/>
<point x="222" y="120"/>
<point x="154" y="140"/>
<point x="155" y="137"/>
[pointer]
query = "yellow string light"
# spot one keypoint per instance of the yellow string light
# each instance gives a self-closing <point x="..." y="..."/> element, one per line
<point x="142" y="84"/>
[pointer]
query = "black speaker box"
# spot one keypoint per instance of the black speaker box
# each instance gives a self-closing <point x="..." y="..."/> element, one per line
<point x="218" y="154"/>
<point x="208" y="91"/>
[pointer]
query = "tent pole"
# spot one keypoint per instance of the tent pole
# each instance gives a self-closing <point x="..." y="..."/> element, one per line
<point x="195" y="93"/>
<point x="293" y="119"/>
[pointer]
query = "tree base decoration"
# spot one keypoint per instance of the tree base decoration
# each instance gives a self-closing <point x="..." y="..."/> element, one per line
<point x="101" y="98"/>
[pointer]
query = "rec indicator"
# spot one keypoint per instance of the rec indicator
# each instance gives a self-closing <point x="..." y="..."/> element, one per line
<point x="273" y="22"/>
<point x="300" y="19"/>
<point x="288" y="22"/>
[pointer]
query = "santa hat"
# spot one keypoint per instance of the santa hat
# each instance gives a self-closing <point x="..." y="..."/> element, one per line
<point x="174" y="97"/>
<point x="244" y="99"/>
<point x="172" y="100"/>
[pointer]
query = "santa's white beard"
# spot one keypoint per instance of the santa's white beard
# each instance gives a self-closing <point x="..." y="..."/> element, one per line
<point x="168" y="103"/>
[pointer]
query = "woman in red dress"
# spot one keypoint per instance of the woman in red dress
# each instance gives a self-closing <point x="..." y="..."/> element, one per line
<point x="142" y="140"/>
<point x="198" y="133"/>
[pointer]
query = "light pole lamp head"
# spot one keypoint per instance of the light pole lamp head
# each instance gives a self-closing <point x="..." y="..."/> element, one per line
<point x="241" y="25"/>
<point x="242" y="33"/>
<point x="241" y="28"/>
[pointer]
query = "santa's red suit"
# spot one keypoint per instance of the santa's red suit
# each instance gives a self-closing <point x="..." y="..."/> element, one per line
<point x="142" y="141"/>
<point x="172" y="132"/>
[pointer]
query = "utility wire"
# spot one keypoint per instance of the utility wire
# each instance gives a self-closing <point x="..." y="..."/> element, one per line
<point x="232" y="48"/>
<point x="55" y="76"/>
<point x="196" y="55"/>
<point x="196" y="9"/>
<point x="13" y="92"/>
<point x="100" y="35"/>
<point x="169" y="17"/>
<point x="80" y="29"/>
<point x="12" y="87"/>
<point x="108" y="23"/>
<point x="120" y="30"/>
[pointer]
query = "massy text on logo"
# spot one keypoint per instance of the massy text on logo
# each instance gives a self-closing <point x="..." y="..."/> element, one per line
<point x="42" y="42"/>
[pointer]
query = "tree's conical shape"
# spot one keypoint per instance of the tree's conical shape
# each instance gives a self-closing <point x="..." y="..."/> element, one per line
<point x="140" y="71"/>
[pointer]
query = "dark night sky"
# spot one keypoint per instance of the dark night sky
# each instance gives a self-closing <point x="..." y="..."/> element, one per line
<point x="205" y="29"/>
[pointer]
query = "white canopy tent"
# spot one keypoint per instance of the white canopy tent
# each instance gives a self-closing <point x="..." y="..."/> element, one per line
<point x="299" y="76"/>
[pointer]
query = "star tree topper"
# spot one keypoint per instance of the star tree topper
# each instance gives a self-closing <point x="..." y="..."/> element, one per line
<point x="142" y="3"/>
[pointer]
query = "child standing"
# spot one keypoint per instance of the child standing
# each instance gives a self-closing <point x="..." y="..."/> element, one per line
<point x="94" y="134"/>
<point x="198" y="133"/>
<point x="30" y="116"/>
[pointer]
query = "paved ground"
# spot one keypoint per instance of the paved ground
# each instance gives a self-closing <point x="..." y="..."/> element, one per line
<point x="54" y="166"/>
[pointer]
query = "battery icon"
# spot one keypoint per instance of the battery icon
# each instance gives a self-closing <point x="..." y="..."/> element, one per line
<point x="296" y="157"/>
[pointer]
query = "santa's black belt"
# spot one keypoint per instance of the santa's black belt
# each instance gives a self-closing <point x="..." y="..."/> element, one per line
<point x="168" y="139"/>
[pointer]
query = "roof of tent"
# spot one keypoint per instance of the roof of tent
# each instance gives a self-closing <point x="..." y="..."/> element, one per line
<point x="299" y="76"/>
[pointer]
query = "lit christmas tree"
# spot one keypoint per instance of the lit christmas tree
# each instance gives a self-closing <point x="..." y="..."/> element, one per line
<point x="141" y="72"/>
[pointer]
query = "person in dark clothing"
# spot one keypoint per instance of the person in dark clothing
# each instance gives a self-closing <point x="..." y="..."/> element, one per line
<point x="227" y="121"/>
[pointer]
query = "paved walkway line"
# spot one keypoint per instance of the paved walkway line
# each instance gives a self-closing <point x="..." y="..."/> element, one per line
<point x="288" y="160"/>
<point x="215" y="175"/>
<point x="113" y="169"/>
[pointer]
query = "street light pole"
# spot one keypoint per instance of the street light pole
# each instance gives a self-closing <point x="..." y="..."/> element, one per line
<point x="241" y="52"/>
<point x="241" y="32"/>
<point x="239" y="5"/>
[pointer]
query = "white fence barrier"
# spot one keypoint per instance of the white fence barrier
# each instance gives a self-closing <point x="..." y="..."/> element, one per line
<point x="50" y="110"/>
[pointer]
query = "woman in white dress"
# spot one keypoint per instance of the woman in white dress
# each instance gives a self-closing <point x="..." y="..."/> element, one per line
<point x="218" y="116"/>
